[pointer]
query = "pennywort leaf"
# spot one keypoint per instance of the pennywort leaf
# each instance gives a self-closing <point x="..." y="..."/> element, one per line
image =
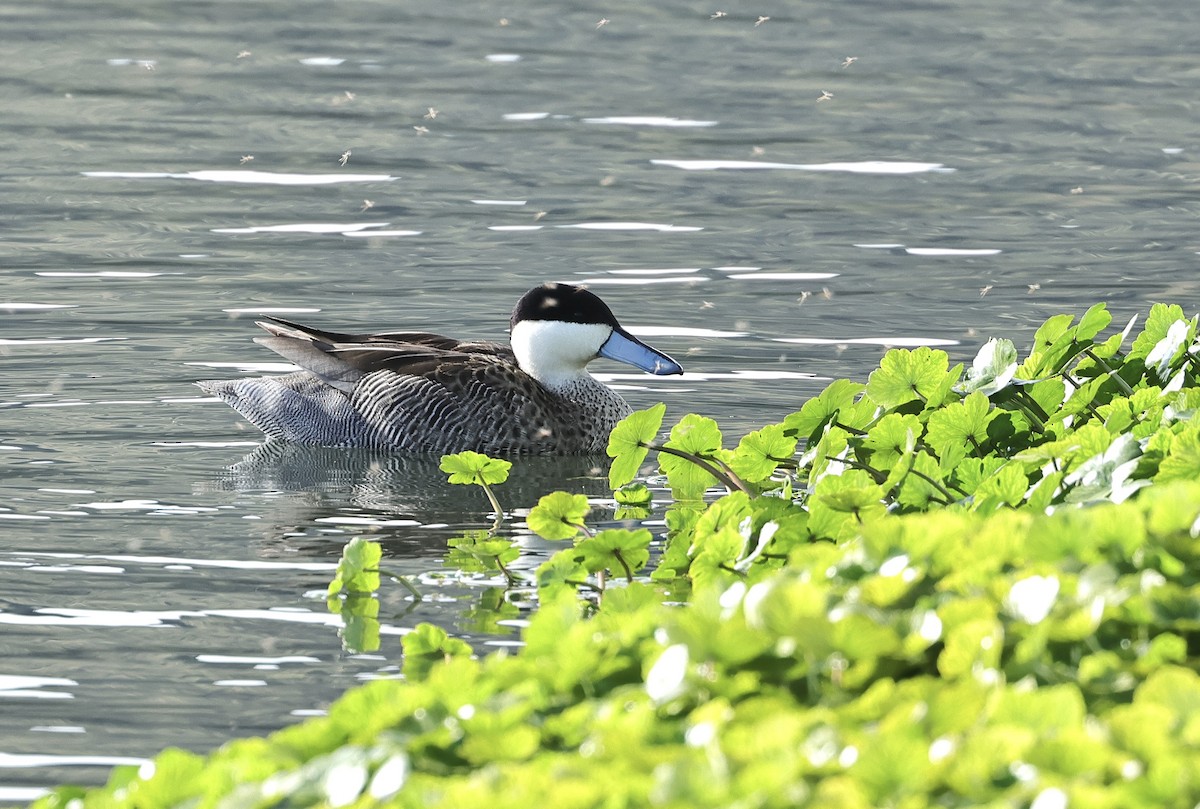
<point x="478" y="469"/>
<point x="428" y="645"/>
<point x="695" y="436"/>
<point x="633" y="494"/>
<point x="486" y="551"/>
<point x="559" y="515"/>
<point x="894" y="436"/>
<point x="759" y="453"/>
<point x="616" y="549"/>
<point x="1158" y="324"/>
<point x="474" y="468"/>
<point x="1166" y="353"/>
<point x="1183" y="459"/>
<point x="629" y="442"/>
<point x="961" y="428"/>
<point x="560" y="573"/>
<point x="822" y="409"/>
<point x="358" y="568"/>
<point x="1094" y="321"/>
<point x="904" y="376"/>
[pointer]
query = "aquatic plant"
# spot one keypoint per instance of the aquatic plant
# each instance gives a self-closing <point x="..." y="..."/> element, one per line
<point x="351" y="594"/>
<point x="944" y="586"/>
<point x="476" y="469"/>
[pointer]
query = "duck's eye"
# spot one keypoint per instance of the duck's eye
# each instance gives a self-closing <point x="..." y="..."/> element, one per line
<point x="550" y="303"/>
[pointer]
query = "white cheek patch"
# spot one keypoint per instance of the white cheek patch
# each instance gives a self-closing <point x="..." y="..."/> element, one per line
<point x="552" y="351"/>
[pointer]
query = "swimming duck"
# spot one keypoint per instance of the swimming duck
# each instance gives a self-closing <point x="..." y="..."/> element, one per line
<point x="423" y="392"/>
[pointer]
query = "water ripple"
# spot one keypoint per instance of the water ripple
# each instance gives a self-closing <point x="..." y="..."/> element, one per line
<point x="29" y="687"/>
<point x="244" y="176"/>
<point x="891" y="342"/>
<point x="29" y="341"/>
<point x="32" y="760"/>
<point x="655" y="272"/>
<point x="342" y="228"/>
<point x="248" y="367"/>
<point x="784" y="276"/>
<point x="649" y="120"/>
<point x="693" y="376"/>
<point x="255" y="661"/>
<point x="933" y="251"/>
<point x="101" y="274"/>
<point x="951" y="251"/>
<point x="272" y="310"/>
<point x="378" y="234"/>
<point x="638" y="281"/>
<point x="148" y="64"/>
<point x="859" y="167"/>
<point x="18" y="307"/>
<point x="683" y="331"/>
<point x="234" y="564"/>
<point x="151" y="506"/>
<point x="632" y="226"/>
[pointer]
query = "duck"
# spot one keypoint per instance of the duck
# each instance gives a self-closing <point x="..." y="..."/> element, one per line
<point x="426" y="393"/>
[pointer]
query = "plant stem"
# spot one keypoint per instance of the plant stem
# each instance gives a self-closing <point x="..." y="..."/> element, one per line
<point x="1033" y="403"/>
<point x="509" y="577"/>
<point x="1090" y="408"/>
<point x="1035" y="407"/>
<point x="732" y="570"/>
<point x="724" y="479"/>
<point x="1034" y="422"/>
<point x="499" y="512"/>
<point x="408" y="585"/>
<point x="624" y="564"/>
<point x="947" y="498"/>
<point x="880" y="477"/>
<point x="1121" y="383"/>
<point x="876" y="474"/>
<point x="741" y="484"/>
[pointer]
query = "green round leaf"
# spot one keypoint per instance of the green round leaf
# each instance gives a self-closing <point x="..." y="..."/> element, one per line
<point x="558" y="515"/>
<point x="358" y="568"/>
<point x="633" y="494"/>
<point x="627" y="443"/>
<point x="759" y="453"/>
<point x="621" y="551"/>
<point x="904" y="376"/>
<point x="469" y="467"/>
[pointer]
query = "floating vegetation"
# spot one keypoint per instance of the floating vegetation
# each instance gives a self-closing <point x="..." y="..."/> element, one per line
<point x="942" y="586"/>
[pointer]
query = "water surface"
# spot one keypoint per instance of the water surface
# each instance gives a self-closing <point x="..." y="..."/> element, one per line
<point x="773" y="202"/>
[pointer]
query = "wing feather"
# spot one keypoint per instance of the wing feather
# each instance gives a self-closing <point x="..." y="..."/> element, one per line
<point x="342" y="359"/>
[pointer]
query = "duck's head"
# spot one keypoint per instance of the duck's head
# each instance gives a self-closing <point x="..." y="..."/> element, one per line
<point x="557" y="329"/>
